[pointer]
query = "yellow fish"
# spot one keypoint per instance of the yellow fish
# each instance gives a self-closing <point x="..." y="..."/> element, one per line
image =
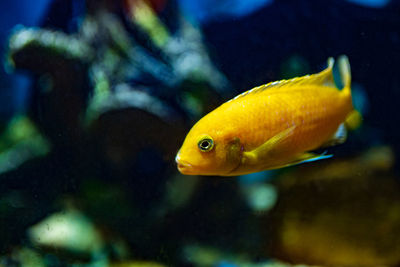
<point x="270" y="126"/>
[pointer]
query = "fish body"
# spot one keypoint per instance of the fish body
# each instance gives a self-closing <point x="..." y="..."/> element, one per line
<point x="270" y="126"/>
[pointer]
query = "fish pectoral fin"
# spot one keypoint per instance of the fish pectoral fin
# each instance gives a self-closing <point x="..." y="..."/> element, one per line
<point x="303" y="158"/>
<point x="267" y="149"/>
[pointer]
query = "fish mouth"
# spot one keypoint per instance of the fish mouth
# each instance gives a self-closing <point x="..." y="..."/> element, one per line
<point x="184" y="167"/>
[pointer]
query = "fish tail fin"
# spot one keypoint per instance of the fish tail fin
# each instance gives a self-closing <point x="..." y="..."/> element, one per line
<point x="354" y="118"/>
<point x="345" y="73"/>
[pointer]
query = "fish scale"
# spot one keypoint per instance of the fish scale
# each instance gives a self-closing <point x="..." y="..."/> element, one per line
<point x="290" y="108"/>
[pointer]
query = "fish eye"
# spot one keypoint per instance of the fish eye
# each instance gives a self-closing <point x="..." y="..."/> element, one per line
<point x="205" y="144"/>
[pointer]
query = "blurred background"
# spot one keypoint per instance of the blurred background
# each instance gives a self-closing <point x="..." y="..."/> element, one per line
<point x="96" y="97"/>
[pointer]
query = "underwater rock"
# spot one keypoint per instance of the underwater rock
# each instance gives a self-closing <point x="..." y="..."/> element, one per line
<point x="128" y="121"/>
<point x="19" y="143"/>
<point x="29" y="193"/>
<point x="343" y="212"/>
<point x="69" y="233"/>
<point x="30" y="46"/>
<point x="61" y="63"/>
<point x="189" y="77"/>
<point x="24" y="256"/>
<point x="134" y="137"/>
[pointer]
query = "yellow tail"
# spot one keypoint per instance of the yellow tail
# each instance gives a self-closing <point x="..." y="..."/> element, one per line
<point x="345" y="73"/>
<point x="354" y="119"/>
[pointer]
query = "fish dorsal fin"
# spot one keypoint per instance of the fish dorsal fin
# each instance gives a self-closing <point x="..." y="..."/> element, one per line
<point x="323" y="78"/>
